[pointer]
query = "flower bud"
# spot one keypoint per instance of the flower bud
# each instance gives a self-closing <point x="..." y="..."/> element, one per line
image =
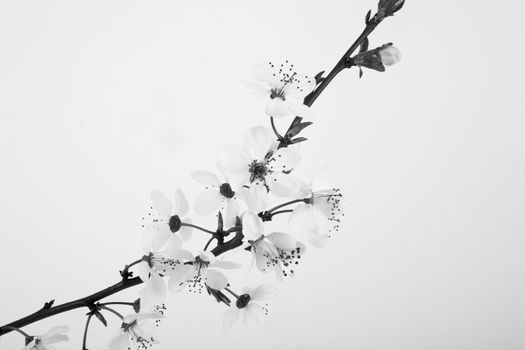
<point x="390" y="55"/>
<point x="387" y="8"/>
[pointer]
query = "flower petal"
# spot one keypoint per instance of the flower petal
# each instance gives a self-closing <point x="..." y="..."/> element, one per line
<point x="206" y="178"/>
<point x="161" y="203"/>
<point x="185" y="231"/>
<point x="258" y="89"/>
<point x="215" y="279"/>
<point x="226" y="265"/>
<point x="120" y="342"/>
<point x="155" y="288"/>
<point x="282" y="240"/>
<point x="181" y="203"/>
<point x="253" y="315"/>
<point x="178" y="277"/>
<point x="316" y="239"/>
<point x="265" y="73"/>
<point x="258" y="142"/>
<point x="300" y="219"/>
<point x="264" y="292"/>
<point x="208" y="202"/>
<point x="277" y="108"/>
<point x="230" y="316"/>
<point x="252" y="226"/>
<point x="231" y="211"/>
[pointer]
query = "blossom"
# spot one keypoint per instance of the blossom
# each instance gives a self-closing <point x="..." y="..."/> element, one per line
<point x="277" y="251"/>
<point x="260" y="163"/>
<point x="155" y="265"/>
<point x="284" y="87"/>
<point x="390" y="55"/>
<point x="43" y="342"/>
<point x="200" y="270"/>
<point x="137" y="331"/>
<point x="166" y="217"/>
<point x="319" y="215"/>
<point x="217" y="195"/>
<point x="248" y="307"/>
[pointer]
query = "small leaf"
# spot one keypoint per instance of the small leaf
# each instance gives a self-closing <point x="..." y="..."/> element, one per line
<point x="220" y="224"/>
<point x="319" y="77"/>
<point x="360" y="73"/>
<point x="48" y="304"/>
<point x="367" y="17"/>
<point x="364" y="45"/>
<point x="299" y="139"/>
<point x="101" y="318"/>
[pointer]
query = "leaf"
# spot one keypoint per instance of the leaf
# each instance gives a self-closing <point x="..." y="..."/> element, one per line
<point x="364" y="45"/>
<point x="367" y="17"/>
<point x="101" y="318"/>
<point x="319" y="77"/>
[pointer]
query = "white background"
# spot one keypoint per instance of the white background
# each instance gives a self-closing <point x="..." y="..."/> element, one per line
<point x="102" y="101"/>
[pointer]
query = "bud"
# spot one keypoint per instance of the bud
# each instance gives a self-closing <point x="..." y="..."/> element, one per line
<point x="387" y="8"/>
<point x="377" y="58"/>
<point x="390" y="55"/>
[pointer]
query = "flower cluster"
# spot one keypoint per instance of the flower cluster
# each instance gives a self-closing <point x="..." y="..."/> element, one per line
<point x="253" y="183"/>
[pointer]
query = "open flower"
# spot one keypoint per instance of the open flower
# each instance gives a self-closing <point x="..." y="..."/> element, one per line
<point x="138" y="331"/>
<point x="259" y="162"/>
<point x="284" y="88"/>
<point x="199" y="271"/>
<point x="165" y="219"/>
<point x="43" y="342"/>
<point x="217" y="196"/>
<point x="319" y="216"/>
<point x="249" y="307"/>
<point x="156" y="265"/>
<point x="277" y="251"/>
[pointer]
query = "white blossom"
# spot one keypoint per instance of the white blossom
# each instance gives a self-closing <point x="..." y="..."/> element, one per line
<point x="390" y="55"/>
<point x="138" y="331"/>
<point x="44" y="342"/>
<point x="284" y="88"/>
<point x="249" y="306"/>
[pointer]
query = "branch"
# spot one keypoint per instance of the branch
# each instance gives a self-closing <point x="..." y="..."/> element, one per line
<point x="75" y="304"/>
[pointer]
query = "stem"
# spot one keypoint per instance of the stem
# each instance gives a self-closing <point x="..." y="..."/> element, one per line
<point x="16" y="329"/>
<point x="72" y="305"/>
<point x="86" y="332"/>
<point x="112" y="311"/>
<point x="279" y="136"/>
<point x="117" y="303"/>
<point x="198" y="228"/>
<point x="208" y="243"/>
<point x="285" y="204"/>
<point x="231" y="292"/>
<point x="282" y="211"/>
<point x="125" y="273"/>
<point x="310" y="99"/>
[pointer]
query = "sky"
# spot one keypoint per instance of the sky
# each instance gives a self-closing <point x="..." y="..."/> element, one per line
<point x="103" y="101"/>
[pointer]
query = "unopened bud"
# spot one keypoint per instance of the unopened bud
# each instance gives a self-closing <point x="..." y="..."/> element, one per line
<point x="390" y="55"/>
<point x="387" y="8"/>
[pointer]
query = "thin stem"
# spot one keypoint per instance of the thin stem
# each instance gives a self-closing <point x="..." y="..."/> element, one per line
<point x="198" y="228"/>
<point x="16" y="329"/>
<point x="282" y="211"/>
<point x="231" y="292"/>
<point x="285" y="204"/>
<point x="117" y="303"/>
<point x="279" y="137"/>
<point x="112" y="311"/>
<point x="86" y="332"/>
<point x="208" y="243"/>
<point x="310" y="99"/>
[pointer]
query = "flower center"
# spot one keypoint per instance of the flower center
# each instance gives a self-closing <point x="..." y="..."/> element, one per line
<point x="174" y="223"/>
<point x="242" y="301"/>
<point x="258" y="170"/>
<point x="277" y="93"/>
<point x="226" y="190"/>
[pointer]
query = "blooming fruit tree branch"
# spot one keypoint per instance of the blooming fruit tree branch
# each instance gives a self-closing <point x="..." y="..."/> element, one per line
<point x="239" y="194"/>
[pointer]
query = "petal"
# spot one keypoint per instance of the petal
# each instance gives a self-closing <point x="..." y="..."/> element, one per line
<point x="215" y="279"/>
<point x="277" y="108"/>
<point x="178" y="277"/>
<point x="287" y="157"/>
<point x="253" y="315"/>
<point x="157" y="236"/>
<point x="121" y="342"/>
<point x="161" y="203"/>
<point x="282" y="240"/>
<point x="258" y="142"/>
<point x="206" y="178"/>
<point x="255" y="197"/>
<point x="317" y="239"/>
<point x="173" y="244"/>
<point x="54" y="331"/>
<point x="231" y="211"/>
<point x="185" y="231"/>
<point x="252" y="226"/>
<point x="208" y="202"/>
<point x="282" y="185"/>
<point x="264" y="292"/>
<point x="265" y="73"/>
<point x="181" y="203"/>
<point x="230" y="316"/>
<point x="299" y="109"/>
<point x="143" y="271"/>
<point x="260" y="90"/>
<point x="156" y="288"/>
<point x="300" y="219"/>
<point x="226" y="265"/>
<point x="182" y="254"/>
